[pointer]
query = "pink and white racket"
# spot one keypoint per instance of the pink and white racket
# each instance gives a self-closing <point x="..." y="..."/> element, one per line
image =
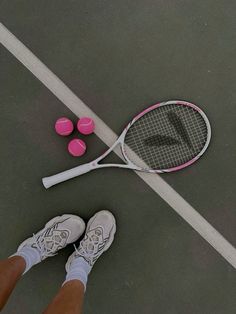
<point x="165" y="137"/>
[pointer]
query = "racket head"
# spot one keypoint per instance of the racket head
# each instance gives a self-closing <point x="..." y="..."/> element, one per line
<point x="166" y="137"/>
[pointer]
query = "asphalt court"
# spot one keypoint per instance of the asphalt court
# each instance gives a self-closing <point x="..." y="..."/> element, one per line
<point x="112" y="56"/>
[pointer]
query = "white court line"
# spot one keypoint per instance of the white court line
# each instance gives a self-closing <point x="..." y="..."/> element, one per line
<point x="66" y="96"/>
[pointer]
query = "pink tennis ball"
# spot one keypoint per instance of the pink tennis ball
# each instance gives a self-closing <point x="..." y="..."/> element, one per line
<point x="64" y="126"/>
<point x="86" y="125"/>
<point x="76" y="147"/>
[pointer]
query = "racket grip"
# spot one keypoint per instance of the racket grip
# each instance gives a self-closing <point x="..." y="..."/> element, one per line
<point x="66" y="175"/>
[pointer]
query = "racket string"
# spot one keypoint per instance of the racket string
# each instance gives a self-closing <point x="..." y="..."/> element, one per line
<point x="177" y="141"/>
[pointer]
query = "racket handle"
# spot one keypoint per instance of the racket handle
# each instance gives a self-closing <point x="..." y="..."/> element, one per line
<point x="66" y="175"/>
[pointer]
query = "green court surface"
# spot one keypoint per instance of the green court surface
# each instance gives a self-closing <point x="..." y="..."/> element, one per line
<point x="119" y="57"/>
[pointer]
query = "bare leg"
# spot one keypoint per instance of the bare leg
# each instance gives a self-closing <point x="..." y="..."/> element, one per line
<point x="11" y="270"/>
<point x="69" y="299"/>
<point x="59" y="231"/>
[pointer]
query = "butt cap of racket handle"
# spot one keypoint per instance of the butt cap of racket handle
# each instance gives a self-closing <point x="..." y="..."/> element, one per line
<point x="48" y="182"/>
<point x="66" y="175"/>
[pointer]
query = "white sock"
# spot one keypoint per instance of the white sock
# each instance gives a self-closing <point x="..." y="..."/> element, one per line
<point x="30" y="255"/>
<point x="79" y="269"/>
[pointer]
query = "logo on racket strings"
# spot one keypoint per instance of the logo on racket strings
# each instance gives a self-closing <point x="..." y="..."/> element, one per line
<point x="166" y="140"/>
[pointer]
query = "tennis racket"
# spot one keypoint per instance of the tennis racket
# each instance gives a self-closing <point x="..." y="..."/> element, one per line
<point x="165" y="137"/>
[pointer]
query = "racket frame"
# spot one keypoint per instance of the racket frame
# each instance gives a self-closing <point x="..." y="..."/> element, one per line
<point x="79" y="170"/>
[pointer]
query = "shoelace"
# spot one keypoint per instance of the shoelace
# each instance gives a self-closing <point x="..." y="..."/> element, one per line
<point x="44" y="251"/>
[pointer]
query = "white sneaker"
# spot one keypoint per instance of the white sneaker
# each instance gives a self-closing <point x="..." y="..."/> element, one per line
<point x="98" y="238"/>
<point x="57" y="234"/>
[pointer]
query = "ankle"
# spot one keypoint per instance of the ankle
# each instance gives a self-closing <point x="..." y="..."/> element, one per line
<point x="15" y="264"/>
<point x="79" y="270"/>
<point x="74" y="284"/>
<point x="30" y="255"/>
